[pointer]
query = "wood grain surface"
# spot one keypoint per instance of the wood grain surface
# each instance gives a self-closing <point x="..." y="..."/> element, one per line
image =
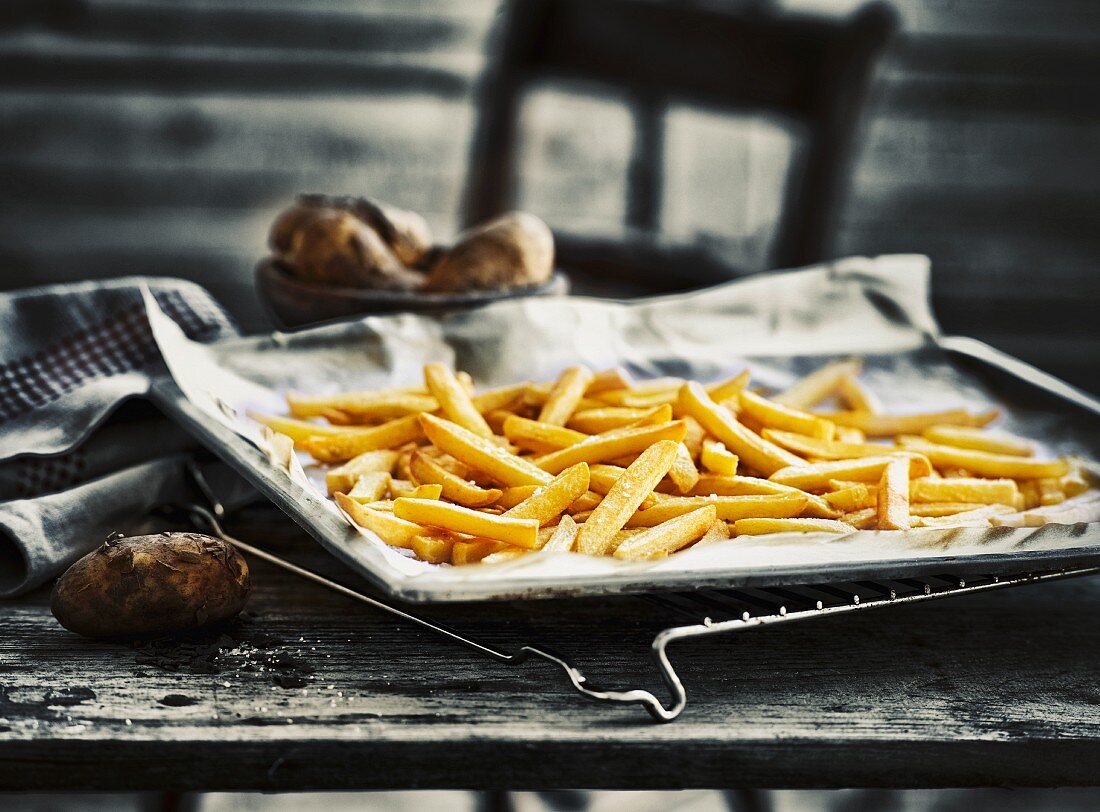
<point x="314" y="692"/>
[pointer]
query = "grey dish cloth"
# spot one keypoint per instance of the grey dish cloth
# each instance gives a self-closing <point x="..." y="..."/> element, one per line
<point x="71" y="356"/>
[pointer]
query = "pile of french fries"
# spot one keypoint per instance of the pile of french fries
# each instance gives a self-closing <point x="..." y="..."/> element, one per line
<point x="598" y="464"/>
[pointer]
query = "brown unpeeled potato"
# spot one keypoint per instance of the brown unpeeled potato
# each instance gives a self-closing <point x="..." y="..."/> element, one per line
<point x="336" y="247"/>
<point x="510" y="251"/>
<point x="150" y="585"/>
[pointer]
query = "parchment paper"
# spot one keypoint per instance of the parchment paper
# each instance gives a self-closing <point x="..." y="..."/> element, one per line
<point x="779" y="325"/>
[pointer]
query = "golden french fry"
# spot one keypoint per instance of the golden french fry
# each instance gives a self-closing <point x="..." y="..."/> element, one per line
<point x="1074" y="482"/>
<point x="638" y="398"/>
<point x="866" y="519"/>
<point x="823" y="449"/>
<point x="510" y="497"/>
<point x="856" y="396"/>
<point x="370" y="487"/>
<point x="564" y="537"/>
<point x="401" y="487"/>
<point x="849" y="500"/>
<point x="756" y="452"/>
<point x="668" y="536"/>
<point x="760" y="527"/>
<point x="565" y="395"/>
<point x="785" y="418"/>
<point x="454" y="400"/>
<point x="611" y="444"/>
<point x="984" y="463"/>
<point x="866" y="469"/>
<point x="718" y="531"/>
<point x="480" y="453"/>
<point x="978" y="440"/>
<point x="586" y="501"/>
<point x="893" y="496"/>
<point x="730" y="388"/>
<point x="550" y="501"/>
<point x="887" y="425"/>
<point x="728" y="508"/>
<point x="502" y="397"/>
<point x="433" y="549"/>
<point x="301" y="430"/>
<point x="683" y="472"/>
<point x="353" y="443"/>
<point x="540" y="437"/>
<point x="846" y="434"/>
<point x="818" y="385"/>
<point x="597" y="421"/>
<point x="344" y="477"/>
<point x="431" y="490"/>
<point x="1050" y="491"/>
<point x="694" y="434"/>
<point x="392" y="529"/>
<point x="926" y="509"/>
<point x="473" y="551"/>
<point x="455" y="488"/>
<point x="517" y="532"/>
<point x="384" y="404"/>
<point x="607" y="380"/>
<point x="625" y="496"/>
<point x="718" y="459"/>
<point x="604" y="476"/>
<point x="984" y="491"/>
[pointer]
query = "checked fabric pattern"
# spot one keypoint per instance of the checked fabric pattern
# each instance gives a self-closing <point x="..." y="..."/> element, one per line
<point x="121" y="342"/>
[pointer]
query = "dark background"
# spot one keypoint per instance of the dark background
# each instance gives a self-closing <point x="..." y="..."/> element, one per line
<point x="158" y="137"/>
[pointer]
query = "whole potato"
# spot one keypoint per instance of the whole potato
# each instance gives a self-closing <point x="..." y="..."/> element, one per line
<point x="510" y="251"/>
<point x="146" y="585"/>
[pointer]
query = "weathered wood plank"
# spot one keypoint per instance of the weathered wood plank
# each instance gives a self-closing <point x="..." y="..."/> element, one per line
<point x="995" y="689"/>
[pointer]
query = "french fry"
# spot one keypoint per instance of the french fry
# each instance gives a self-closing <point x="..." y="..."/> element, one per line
<point x="565" y="395"/>
<point x="597" y="421"/>
<point x="586" y="501"/>
<point x="978" y="440"/>
<point x="865" y="519"/>
<point x="683" y="472"/>
<point x="668" y="536"/>
<point x="982" y="463"/>
<point x="353" y="443"/>
<point x="728" y="508"/>
<point x="385" y="404"/>
<point x="454" y="400"/>
<point x="926" y="509"/>
<point x="846" y="434"/>
<point x="401" y="487"/>
<point x="984" y="491"/>
<point x="604" y="476"/>
<point x="730" y="388"/>
<point x="866" y="469"/>
<point x="1074" y="482"/>
<point x="500" y="398"/>
<point x="475" y="550"/>
<point x="807" y="446"/>
<point x="625" y="496"/>
<point x="370" y="487"/>
<point x="433" y="549"/>
<point x="607" y="380"/>
<point x="818" y="385"/>
<point x="611" y="444"/>
<point x="1050" y="491"/>
<point x="431" y="512"/>
<point x="856" y="396"/>
<point x="718" y="459"/>
<point x="455" y="488"/>
<point x="887" y="425"/>
<point x="1029" y="490"/>
<point x="507" y="554"/>
<point x="550" y="501"/>
<point x="893" y="496"/>
<point x="564" y="537"/>
<point x="392" y="529"/>
<point x="540" y="437"/>
<point x="344" y="477"/>
<point x="856" y="497"/>
<point x="300" y="430"/>
<point x="482" y="454"/>
<point x="760" y="527"/>
<point x="718" y="531"/>
<point x="784" y="418"/>
<point x="694" y="434"/>
<point x="756" y="452"/>
<point x="510" y="497"/>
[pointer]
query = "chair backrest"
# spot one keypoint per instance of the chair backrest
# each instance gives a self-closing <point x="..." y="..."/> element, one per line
<point x="808" y="69"/>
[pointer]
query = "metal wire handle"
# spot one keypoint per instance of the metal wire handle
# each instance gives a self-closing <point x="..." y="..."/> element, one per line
<point x="210" y="519"/>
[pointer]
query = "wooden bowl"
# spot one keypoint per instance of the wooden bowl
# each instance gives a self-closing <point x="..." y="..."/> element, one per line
<point x="294" y="302"/>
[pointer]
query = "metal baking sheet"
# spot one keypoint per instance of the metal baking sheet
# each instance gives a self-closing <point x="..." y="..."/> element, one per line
<point x="780" y="325"/>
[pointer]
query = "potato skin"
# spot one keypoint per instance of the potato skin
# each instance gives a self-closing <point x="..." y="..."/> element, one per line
<point x="149" y="585"/>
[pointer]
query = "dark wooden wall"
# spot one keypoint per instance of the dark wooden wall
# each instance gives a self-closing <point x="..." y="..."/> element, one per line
<point x="157" y="137"/>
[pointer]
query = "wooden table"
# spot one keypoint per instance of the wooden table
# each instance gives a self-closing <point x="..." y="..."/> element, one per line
<point x="993" y="689"/>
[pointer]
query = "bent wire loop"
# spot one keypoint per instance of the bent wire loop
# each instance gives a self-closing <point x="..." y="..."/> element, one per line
<point x="818" y="601"/>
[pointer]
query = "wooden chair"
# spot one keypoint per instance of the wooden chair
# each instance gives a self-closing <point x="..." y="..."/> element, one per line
<point x="811" y="70"/>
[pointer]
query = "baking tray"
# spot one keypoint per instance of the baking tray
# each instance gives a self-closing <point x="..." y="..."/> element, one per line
<point x="780" y="324"/>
